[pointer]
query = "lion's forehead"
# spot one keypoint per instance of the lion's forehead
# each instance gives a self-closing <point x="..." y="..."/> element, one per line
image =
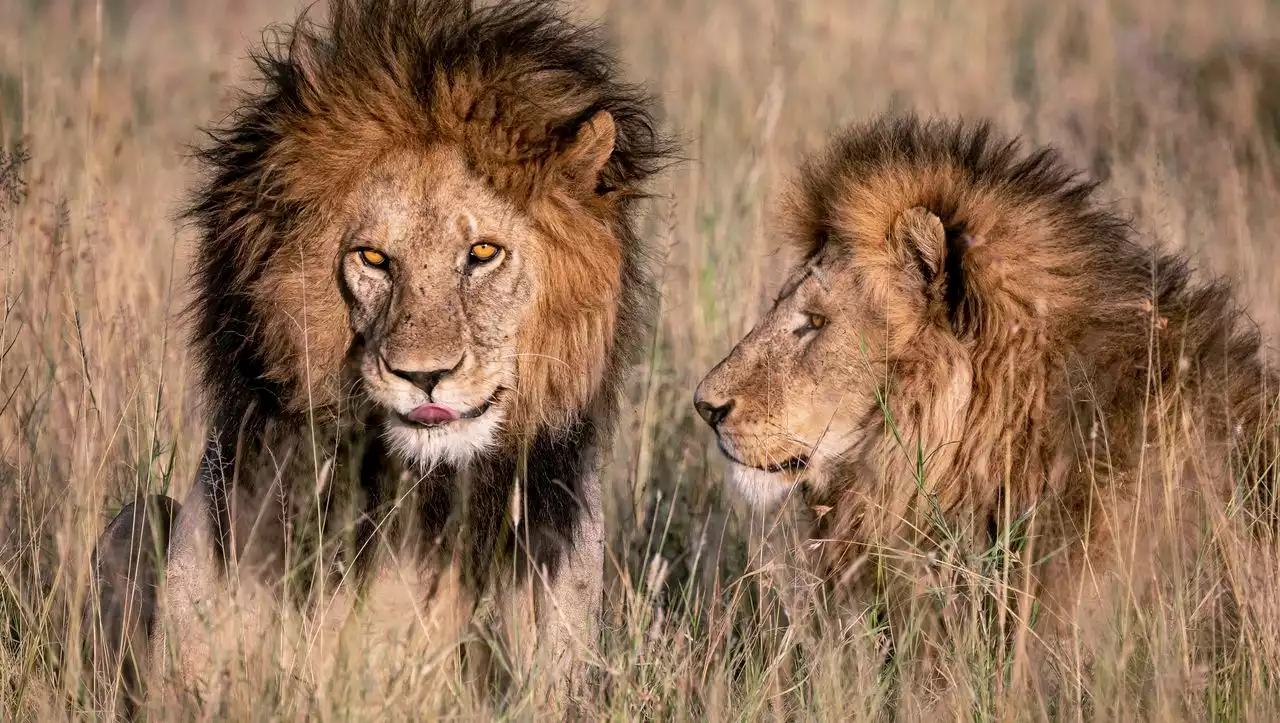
<point x="432" y="191"/>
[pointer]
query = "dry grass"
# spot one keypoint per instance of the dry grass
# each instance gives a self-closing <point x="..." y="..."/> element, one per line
<point x="1166" y="98"/>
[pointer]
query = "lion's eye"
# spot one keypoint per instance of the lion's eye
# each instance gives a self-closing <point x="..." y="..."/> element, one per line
<point x="373" y="258"/>
<point x="483" y="252"/>
<point x="812" y="322"/>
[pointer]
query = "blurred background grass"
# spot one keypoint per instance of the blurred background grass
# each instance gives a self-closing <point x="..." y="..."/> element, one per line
<point x="1176" y="104"/>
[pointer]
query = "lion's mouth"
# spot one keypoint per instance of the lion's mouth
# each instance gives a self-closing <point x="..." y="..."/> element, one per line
<point x="434" y="416"/>
<point x="794" y="464"/>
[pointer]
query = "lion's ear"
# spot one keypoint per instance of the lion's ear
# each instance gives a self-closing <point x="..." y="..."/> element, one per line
<point x="585" y="157"/>
<point x="920" y="233"/>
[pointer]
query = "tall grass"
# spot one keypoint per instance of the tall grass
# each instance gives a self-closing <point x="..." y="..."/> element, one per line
<point x="1176" y="104"/>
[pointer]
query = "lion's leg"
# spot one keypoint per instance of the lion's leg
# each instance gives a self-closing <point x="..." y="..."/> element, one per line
<point x="207" y="623"/>
<point x="412" y="611"/>
<point x="180" y="637"/>
<point x="550" y="623"/>
<point x="119" y="612"/>
<point x="568" y="606"/>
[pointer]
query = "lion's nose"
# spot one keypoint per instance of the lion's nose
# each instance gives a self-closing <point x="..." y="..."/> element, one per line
<point x="713" y="414"/>
<point x="426" y="381"/>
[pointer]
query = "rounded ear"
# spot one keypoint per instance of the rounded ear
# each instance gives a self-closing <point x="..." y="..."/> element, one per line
<point x="920" y="241"/>
<point x="918" y="233"/>
<point x="585" y="157"/>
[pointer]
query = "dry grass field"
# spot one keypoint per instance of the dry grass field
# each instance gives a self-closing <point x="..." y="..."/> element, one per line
<point x="1175" y="103"/>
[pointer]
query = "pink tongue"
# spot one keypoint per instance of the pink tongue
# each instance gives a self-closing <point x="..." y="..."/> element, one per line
<point x="432" y="414"/>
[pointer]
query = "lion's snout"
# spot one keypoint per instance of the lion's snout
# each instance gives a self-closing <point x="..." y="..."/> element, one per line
<point x="713" y="400"/>
<point x="423" y="380"/>
<point x="711" y="412"/>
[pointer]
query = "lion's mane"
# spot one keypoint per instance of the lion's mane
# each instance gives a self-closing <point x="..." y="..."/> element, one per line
<point x="509" y="85"/>
<point x="1079" y="349"/>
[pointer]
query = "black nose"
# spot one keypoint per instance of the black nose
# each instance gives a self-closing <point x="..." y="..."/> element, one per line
<point x="712" y="414"/>
<point x="426" y="381"/>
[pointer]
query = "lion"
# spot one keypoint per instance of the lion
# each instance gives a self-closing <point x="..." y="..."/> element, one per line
<point x="418" y="286"/>
<point x="970" y="338"/>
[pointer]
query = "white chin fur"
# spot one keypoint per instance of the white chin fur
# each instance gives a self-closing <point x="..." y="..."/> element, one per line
<point x="757" y="487"/>
<point x="455" y="443"/>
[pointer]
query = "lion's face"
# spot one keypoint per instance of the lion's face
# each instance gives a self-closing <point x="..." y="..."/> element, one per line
<point x="799" y="389"/>
<point x="439" y="274"/>
<point x="807" y="385"/>
<point x="477" y="297"/>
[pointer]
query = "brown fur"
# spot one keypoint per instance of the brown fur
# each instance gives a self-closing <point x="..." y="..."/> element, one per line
<point x="1000" y="356"/>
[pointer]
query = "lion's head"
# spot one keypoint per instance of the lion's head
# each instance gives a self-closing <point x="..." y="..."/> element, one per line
<point x="431" y="205"/>
<point x="942" y="276"/>
<point x="806" y="387"/>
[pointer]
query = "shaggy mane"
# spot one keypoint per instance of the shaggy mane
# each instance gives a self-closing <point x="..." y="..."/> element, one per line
<point x="953" y="168"/>
<point x="508" y="85"/>
<point x="1046" y="324"/>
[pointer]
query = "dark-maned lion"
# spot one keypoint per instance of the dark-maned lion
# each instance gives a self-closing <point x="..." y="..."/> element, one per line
<point x="418" y="284"/>
<point x="971" y="341"/>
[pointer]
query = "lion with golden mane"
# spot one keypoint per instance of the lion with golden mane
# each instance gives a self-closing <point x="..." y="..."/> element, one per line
<point x="418" y="285"/>
<point x="969" y="338"/>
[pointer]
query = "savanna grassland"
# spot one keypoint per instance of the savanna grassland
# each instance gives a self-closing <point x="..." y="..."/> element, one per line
<point x="1175" y="103"/>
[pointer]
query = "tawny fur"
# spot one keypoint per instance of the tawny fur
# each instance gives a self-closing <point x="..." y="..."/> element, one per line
<point x="999" y="352"/>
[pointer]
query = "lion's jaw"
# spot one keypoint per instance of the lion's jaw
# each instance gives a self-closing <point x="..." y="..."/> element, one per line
<point x="455" y="443"/>
<point x="761" y="488"/>
<point x="436" y="325"/>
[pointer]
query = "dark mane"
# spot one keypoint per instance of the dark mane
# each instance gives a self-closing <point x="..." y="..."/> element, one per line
<point x="1057" y="240"/>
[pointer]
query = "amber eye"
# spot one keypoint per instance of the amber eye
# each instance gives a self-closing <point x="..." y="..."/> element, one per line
<point x="373" y="258"/>
<point x="483" y="252"/>
<point x="812" y="322"/>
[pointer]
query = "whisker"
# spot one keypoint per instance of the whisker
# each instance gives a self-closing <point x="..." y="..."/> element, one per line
<point x="536" y="356"/>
